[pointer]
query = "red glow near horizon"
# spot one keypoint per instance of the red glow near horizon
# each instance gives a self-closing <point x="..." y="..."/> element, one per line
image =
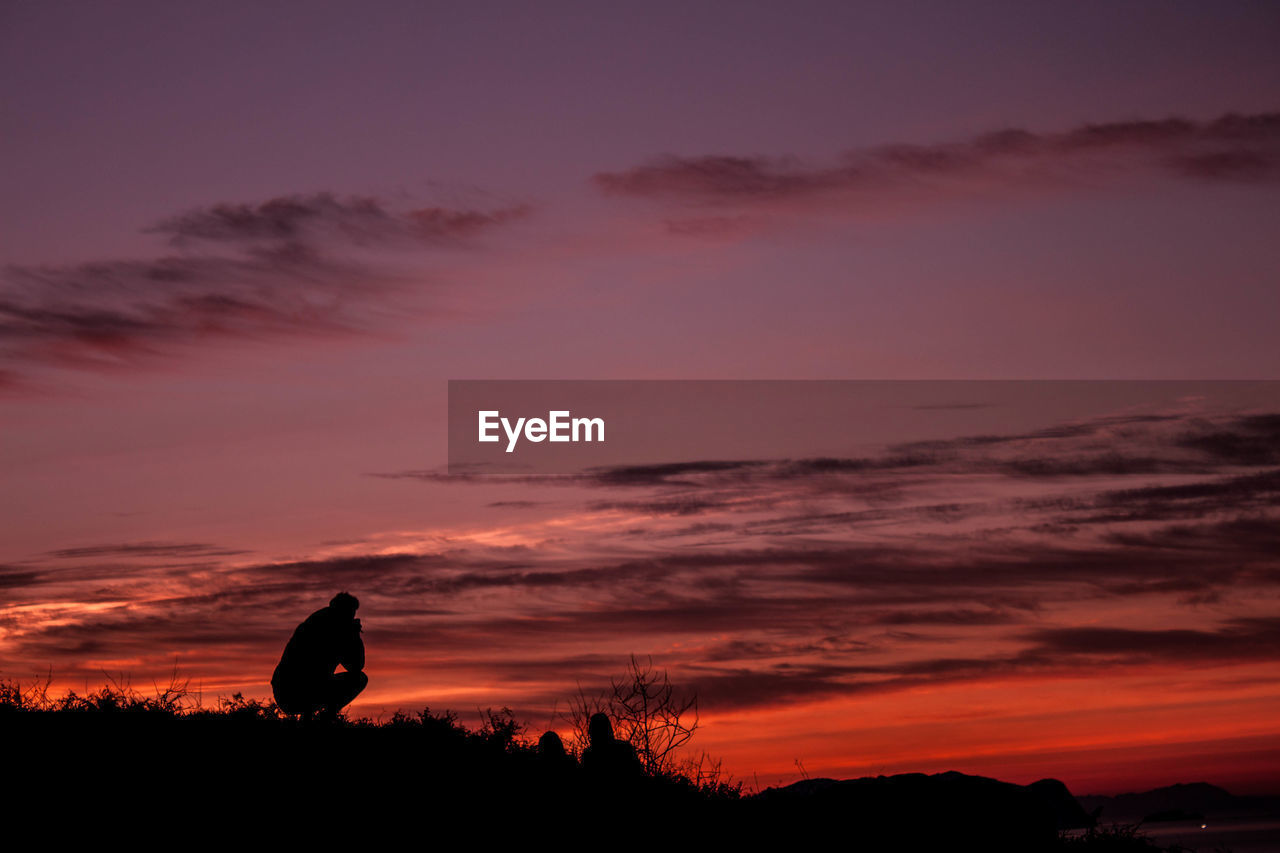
<point x="968" y="609"/>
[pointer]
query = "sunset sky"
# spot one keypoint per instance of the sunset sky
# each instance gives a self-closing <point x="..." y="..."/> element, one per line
<point x="244" y="247"/>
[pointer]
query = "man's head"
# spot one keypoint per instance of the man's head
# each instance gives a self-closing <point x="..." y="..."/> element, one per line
<point x="346" y="604"/>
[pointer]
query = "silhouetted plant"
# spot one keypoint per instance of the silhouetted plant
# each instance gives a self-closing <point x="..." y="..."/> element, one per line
<point x="648" y="712"/>
<point x="1120" y="838"/>
<point x="707" y="775"/>
<point x="15" y="697"/>
<point x="500" y="730"/>
<point x="119" y="695"/>
<point x="240" y="707"/>
<point x="403" y="720"/>
<point x="652" y="716"/>
<point x="10" y="695"/>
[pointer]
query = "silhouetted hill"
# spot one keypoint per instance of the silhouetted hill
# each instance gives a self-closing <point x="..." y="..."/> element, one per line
<point x="1195" y="798"/>
<point x="246" y="771"/>
<point x="1067" y="812"/>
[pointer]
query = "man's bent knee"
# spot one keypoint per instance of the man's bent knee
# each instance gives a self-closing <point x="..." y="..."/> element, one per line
<point x="347" y="686"/>
<point x="356" y="681"/>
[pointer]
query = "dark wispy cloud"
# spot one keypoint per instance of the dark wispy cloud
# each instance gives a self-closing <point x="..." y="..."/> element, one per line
<point x="290" y="266"/>
<point x="1238" y="148"/>
<point x="1197" y="499"/>
<point x="1040" y="651"/>
<point x="13" y="577"/>
<point x="1247" y="638"/>
<point x="1250" y="440"/>
<point x="692" y="474"/>
<point x="1241" y="535"/>
<point x="360" y="220"/>
<point x="164" y="550"/>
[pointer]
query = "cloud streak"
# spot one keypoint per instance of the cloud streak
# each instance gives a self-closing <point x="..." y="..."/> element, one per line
<point x="288" y="267"/>
<point x="1234" y="148"/>
<point x="358" y="220"/>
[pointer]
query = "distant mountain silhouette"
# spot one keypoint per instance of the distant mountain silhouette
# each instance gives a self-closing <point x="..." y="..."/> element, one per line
<point x="1067" y="812"/>
<point x="1193" y="799"/>
<point x="925" y="810"/>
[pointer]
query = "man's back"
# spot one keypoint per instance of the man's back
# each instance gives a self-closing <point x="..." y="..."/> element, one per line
<point x="314" y="649"/>
<point x="319" y="645"/>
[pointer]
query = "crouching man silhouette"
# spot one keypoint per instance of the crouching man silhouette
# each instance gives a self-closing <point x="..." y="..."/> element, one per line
<point x="305" y="681"/>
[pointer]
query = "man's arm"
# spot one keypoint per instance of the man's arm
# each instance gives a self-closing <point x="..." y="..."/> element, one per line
<point x="353" y="658"/>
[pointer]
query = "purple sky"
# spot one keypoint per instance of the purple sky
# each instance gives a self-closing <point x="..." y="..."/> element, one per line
<point x="246" y="245"/>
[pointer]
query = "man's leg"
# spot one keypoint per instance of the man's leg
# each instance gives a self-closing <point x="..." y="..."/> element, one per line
<point x="294" y="700"/>
<point x="343" y="687"/>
